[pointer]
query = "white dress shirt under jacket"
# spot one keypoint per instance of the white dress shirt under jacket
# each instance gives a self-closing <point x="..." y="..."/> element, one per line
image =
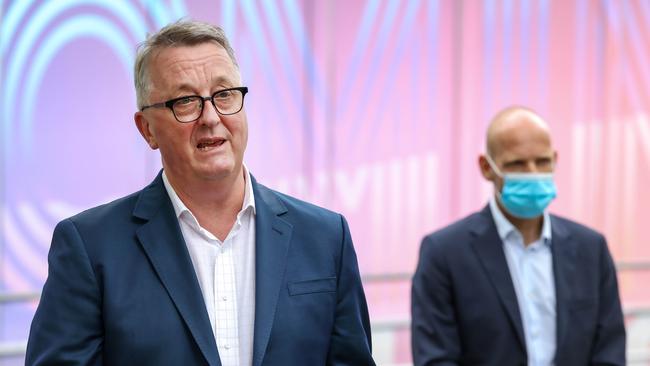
<point x="226" y="274"/>
<point x="531" y="269"/>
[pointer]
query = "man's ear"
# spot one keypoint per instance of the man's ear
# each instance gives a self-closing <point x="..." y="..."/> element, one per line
<point x="144" y="126"/>
<point x="485" y="168"/>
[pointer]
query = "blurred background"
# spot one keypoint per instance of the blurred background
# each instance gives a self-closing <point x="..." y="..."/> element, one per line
<point x="376" y="109"/>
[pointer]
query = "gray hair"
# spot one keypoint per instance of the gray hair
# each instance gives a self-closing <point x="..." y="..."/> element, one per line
<point x="181" y="33"/>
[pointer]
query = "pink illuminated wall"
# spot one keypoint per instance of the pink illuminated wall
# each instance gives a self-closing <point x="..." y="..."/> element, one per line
<point x="376" y="109"/>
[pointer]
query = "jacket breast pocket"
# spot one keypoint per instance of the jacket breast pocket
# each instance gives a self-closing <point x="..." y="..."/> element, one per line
<point x="318" y="285"/>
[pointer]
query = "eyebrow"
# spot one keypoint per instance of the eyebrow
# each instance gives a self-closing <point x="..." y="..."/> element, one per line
<point x="514" y="162"/>
<point x="523" y="161"/>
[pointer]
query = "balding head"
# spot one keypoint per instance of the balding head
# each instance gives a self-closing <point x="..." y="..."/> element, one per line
<point x="518" y="141"/>
<point x="512" y="125"/>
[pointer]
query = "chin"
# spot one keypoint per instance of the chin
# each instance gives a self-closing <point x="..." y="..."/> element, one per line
<point x="220" y="171"/>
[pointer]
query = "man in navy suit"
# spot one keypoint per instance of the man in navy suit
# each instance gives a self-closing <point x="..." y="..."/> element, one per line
<point x="512" y="284"/>
<point x="204" y="266"/>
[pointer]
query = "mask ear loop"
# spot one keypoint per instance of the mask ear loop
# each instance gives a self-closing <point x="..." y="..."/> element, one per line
<point x="497" y="171"/>
<point x="493" y="165"/>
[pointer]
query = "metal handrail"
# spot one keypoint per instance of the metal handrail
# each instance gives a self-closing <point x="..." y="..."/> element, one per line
<point x="19" y="297"/>
<point x="12" y="349"/>
<point x="633" y="266"/>
<point x="636" y="311"/>
<point x="404" y="322"/>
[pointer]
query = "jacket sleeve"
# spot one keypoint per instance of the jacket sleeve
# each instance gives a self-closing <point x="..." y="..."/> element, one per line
<point x="609" y="342"/>
<point x="67" y="327"/>
<point x="434" y="331"/>
<point x="351" y="341"/>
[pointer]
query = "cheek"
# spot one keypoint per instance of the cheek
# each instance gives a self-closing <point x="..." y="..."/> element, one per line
<point x="239" y="130"/>
<point x="498" y="184"/>
<point x="245" y="136"/>
<point x="174" y="138"/>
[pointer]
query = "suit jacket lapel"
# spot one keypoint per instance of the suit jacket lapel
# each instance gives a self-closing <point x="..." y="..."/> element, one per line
<point x="564" y="253"/>
<point x="272" y="238"/>
<point x="489" y="249"/>
<point x="165" y="247"/>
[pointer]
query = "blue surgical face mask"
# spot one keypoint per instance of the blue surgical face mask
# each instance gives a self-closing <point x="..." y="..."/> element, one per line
<point x="525" y="195"/>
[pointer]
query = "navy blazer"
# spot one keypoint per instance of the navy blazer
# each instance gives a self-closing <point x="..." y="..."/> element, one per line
<point x="122" y="290"/>
<point x="465" y="310"/>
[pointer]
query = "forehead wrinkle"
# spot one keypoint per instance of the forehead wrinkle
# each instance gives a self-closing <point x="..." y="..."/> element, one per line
<point x="187" y="80"/>
<point x="219" y="79"/>
<point x="180" y="72"/>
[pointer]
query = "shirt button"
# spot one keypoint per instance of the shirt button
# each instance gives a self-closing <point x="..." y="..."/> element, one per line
<point x="226" y="346"/>
<point x="224" y="298"/>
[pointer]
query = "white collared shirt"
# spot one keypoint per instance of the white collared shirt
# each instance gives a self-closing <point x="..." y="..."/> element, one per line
<point x="531" y="269"/>
<point x="226" y="274"/>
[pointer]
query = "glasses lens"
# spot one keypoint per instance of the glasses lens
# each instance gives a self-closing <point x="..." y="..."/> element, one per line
<point x="228" y="101"/>
<point x="187" y="109"/>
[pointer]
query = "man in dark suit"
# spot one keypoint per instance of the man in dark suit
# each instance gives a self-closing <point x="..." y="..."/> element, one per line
<point x="204" y="266"/>
<point x="512" y="284"/>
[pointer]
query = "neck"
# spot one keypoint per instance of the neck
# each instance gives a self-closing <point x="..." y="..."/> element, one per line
<point x="530" y="229"/>
<point x="214" y="203"/>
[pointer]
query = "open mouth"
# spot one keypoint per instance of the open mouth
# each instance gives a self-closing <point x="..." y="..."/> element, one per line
<point x="207" y="144"/>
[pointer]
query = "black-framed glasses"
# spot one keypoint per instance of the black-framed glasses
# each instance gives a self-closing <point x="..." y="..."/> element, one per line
<point x="189" y="108"/>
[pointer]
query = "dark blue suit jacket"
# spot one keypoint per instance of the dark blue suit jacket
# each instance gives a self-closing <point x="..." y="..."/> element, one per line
<point x="465" y="310"/>
<point x="122" y="290"/>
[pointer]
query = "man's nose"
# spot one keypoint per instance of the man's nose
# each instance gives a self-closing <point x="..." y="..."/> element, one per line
<point x="209" y="114"/>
